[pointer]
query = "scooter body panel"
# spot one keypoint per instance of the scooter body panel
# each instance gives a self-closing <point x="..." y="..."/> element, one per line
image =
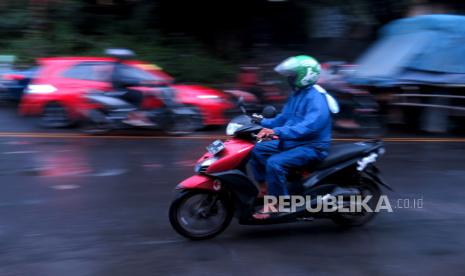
<point x="235" y="153"/>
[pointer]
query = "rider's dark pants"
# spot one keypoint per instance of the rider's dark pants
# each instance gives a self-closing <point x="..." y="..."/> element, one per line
<point x="134" y="97"/>
<point x="271" y="163"/>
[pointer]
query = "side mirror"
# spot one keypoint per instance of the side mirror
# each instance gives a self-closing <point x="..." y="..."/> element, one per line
<point x="240" y="101"/>
<point x="269" y="111"/>
<point x="241" y="105"/>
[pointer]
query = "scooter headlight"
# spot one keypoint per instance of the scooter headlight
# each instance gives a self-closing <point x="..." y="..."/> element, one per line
<point x="202" y="166"/>
<point x="232" y="128"/>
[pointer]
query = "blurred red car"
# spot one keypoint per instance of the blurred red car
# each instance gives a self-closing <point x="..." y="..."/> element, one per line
<point x="59" y="83"/>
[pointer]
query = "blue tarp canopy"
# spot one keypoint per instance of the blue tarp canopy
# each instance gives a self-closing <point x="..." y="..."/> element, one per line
<point x="422" y="49"/>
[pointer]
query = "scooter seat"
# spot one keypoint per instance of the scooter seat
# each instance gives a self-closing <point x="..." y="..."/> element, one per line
<point x="342" y="152"/>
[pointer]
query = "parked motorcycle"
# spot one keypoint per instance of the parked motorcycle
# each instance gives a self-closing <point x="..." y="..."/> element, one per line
<point x="221" y="188"/>
<point x="360" y="112"/>
<point x="110" y="111"/>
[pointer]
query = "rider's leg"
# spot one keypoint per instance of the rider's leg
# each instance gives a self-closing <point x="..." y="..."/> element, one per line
<point x="260" y="153"/>
<point x="134" y="97"/>
<point x="277" y="166"/>
<point x="138" y="117"/>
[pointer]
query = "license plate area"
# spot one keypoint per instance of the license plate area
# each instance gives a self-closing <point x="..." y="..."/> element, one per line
<point x="216" y="147"/>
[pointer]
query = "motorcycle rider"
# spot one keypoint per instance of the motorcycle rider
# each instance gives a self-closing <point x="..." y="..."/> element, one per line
<point x="300" y="134"/>
<point x="122" y="80"/>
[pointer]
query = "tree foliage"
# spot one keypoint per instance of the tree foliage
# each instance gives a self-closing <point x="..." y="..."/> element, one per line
<point x="200" y="40"/>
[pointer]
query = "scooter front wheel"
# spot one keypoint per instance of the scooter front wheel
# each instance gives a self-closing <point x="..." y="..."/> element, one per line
<point x="96" y="123"/>
<point x="200" y="214"/>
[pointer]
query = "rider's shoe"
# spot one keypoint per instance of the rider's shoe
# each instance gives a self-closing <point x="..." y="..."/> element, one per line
<point x="264" y="214"/>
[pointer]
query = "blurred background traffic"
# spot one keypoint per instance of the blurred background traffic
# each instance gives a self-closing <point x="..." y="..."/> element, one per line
<point x="393" y="65"/>
<point x="79" y="204"/>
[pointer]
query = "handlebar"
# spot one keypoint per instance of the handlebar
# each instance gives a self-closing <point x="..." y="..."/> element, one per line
<point x="255" y="136"/>
<point x="267" y="138"/>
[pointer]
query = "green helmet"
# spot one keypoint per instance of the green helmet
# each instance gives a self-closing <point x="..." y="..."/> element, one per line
<point x="301" y="70"/>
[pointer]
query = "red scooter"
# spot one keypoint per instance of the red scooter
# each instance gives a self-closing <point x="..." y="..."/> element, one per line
<point x="221" y="188"/>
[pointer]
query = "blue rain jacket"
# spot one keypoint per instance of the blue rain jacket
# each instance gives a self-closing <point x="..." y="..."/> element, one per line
<point x="304" y="120"/>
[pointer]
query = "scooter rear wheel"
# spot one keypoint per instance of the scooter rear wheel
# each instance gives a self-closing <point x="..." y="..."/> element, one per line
<point x="182" y="124"/>
<point x="360" y="218"/>
<point x="200" y="214"/>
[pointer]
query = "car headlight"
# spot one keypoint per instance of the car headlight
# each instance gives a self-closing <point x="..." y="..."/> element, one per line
<point x="40" y="89"/>
<point x="202" y="166"/>
<point x="232" y="128"/>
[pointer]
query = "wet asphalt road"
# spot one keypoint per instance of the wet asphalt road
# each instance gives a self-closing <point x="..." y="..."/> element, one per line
<point x="96" y="206"/>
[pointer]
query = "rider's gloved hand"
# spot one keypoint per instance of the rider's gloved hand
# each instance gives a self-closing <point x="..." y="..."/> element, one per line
<point x="257" y="118"/>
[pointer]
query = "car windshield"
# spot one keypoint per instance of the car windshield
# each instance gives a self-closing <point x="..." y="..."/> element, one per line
<point x="154" y="71"/>
<point x="134" y="73"/>
<point x="94" y="71"/>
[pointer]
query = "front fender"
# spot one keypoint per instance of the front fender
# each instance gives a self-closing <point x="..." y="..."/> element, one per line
<point x="197" y="182"/>
<point x="239" y="183"/>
